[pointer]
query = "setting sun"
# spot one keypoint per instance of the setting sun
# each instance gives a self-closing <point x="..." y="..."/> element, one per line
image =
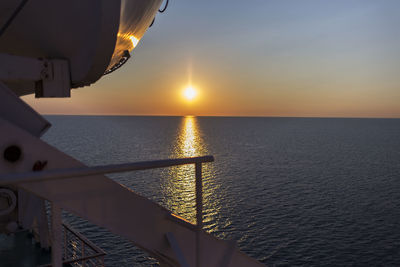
<point x="190" y="93"/>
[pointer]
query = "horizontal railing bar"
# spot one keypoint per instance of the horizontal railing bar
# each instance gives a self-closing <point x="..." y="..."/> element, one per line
<point x="67" y="261"/>
<point x="28" y="177"/>
<point x="83" y="239"/>
<point x="98" y="255"/>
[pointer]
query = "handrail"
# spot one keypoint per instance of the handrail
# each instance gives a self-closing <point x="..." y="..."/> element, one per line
<point x="83" y="258"/>
<point x="38" y="176"/>
<point x="99" y="251"/>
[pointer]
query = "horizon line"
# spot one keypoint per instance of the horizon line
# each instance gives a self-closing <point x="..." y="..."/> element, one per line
<point x="222" y="116"/>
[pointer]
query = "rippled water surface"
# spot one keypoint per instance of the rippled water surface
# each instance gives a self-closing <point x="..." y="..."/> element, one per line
<point x="289" y="191"/>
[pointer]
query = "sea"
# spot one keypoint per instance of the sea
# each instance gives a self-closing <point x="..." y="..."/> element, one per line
<point x="288" y="191"/>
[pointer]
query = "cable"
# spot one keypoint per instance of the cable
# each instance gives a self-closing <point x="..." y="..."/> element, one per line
<point x="13" y="16"/>
<point x="165" y="7"/>
<point x="161" y="11"/>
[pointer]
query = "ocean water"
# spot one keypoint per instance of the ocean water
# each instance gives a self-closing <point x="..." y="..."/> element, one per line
<point x="289" y="191"/>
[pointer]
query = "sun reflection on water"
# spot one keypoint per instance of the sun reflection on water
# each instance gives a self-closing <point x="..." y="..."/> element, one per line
<point x="179" y="187"/>
<point x="189" y="142"/>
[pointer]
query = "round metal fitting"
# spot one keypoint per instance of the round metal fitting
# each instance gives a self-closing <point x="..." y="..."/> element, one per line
<point x="12" y="153"/>
<point x="8" y="201"/>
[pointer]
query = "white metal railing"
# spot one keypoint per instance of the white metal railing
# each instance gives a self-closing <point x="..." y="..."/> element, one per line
<point x="32" y="177"/>
<point x="79" y="251"/>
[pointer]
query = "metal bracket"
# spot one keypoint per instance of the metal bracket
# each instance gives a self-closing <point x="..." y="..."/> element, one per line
<point x="177" y="250"/>
<point x="50" y="76"/>
<point x="16" y="111"/>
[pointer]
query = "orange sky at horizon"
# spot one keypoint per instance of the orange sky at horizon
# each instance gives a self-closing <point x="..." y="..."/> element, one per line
<point x="280" y="103"/>
<point x="117" y="95"/>
<point x="314" y="59"/>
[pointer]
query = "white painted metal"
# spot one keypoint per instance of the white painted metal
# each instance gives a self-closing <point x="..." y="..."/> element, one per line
<point x="81" y="31"/>
<point x="229" y="251"/>
<point x="31" y="211"/>
<point x="9" y="199"/>
<point x="43" y="226"/>
<point x="115" y="207"/>
<point x="136" y="17"/>
<point x="177" y="249"/>
<point x="199" y="211"/>
<point x="17" y="68"/>
<point x="32" y="216"/>
<point x="16" y="111"/>
<point x="81" y="42"/>
<point x="25" y="177"/>
<point x="75" y="252"/>
<point x="92" y="38"/>
<point x="50" y="77"/>
<point x="56" y="82"/>
<point x="56" y="236"/>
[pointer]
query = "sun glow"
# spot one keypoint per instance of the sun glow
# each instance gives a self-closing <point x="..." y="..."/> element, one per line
<point x="134" y="40"/>
<point x="190" y="93"/>
<point x="127" y="41"/>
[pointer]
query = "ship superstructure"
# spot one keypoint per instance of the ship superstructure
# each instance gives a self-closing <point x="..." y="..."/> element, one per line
<point x="47" y="48"/>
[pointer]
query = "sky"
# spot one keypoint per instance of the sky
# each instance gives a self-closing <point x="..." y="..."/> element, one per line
<point x="295" y="58"/>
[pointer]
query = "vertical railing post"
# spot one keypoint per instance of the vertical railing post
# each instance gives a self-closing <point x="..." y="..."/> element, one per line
<point x="65" y="242"/>
<point x="56" y="242"/>
<point x="199" y="209"/>
<point x="83" y="253"/>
